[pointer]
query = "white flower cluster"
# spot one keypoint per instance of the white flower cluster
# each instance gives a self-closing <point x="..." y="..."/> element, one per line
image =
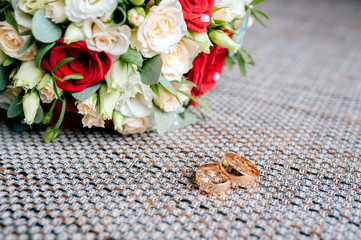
<point x="142" y="28"/>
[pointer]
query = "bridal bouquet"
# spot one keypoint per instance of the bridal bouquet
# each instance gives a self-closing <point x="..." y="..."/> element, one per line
<point x="131" y="65"/>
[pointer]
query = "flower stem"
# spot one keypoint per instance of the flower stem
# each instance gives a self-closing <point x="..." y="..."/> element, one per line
<point x="63" y="107"/>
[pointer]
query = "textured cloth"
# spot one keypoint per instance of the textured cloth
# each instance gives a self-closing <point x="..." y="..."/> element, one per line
<point x="296" y="116"/>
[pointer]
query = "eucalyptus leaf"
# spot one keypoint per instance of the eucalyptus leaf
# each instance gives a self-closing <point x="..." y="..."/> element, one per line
<point x="39" y="115"/>
<point x="163" y="120"/>
<point x="4" y="105"/>
<point x="167" y="85"/>
<point x="16" y="107"/>
<point x="42" y="51"/>
<point x="3" y="79"/>
<point x="86" y="93"/>
<point x="241" y="30"/>
<point x="44" y="29"/>
<point x="151" y="69"/>
<point x="20" y="126"/>
<point x="11" y="20"/>
<point x="132" y="56"/>
<point x="185" y="120"/>
<point x="26" y="44"/>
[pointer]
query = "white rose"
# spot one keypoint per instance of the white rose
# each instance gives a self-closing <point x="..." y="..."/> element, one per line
<point x="101" y="37"/>
<point x="47" y="94"/>
<point x="31" y="6"/>
<point x="162" y="29"/>
<point x="136" y="101"/>
<point x="56" y="12"/>
<point x="180" y="60"/>
<point x="79" y="10"/>
<point x="11" y="41"/>
<point x="73" y="33"/>
<point x="168" y="102"/>
<point x="93" y="119"/>
<point x="236" y="6"/>
<point x="136" y="125"/>
<point x="224" y="14"/>
<point x="87" y="106"/>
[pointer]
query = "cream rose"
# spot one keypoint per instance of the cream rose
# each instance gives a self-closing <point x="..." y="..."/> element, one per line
<point x="101" y="37"/>
<point x="79" y="10"/>
<point x="136" y="101"/>
<point x="180" y="60"/>
<point x="10" y="94"/>
<point x="11" y="41"/>
<point x="162" y="29"/>
<point x="47" y="94"/>
<point x="167" y="101"/>
<point x="87" y="106"/>
<point x="93" y="119"/>
<point x="56" y="12"/>
<point x="136" y="125"/>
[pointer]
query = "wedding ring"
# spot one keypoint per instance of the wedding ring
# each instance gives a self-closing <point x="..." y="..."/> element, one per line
<point x="241" y="171"/>
<point x="211" y="179"/>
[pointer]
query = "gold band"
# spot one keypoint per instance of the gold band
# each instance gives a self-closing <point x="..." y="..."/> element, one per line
<point x="241" y="171"/>
<point x="211" y="179"/>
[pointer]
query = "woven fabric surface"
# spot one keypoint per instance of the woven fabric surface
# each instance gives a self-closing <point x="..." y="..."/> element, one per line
<point x="296" y="116"/>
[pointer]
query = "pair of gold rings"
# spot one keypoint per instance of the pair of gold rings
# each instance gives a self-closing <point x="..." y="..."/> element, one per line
<point x="234" y="171"/>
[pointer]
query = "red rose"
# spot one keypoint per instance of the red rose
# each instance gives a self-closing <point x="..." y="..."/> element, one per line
<point x="90" y="64"/>
<point x="194" y="11"/>
<point x="205" y="66"/>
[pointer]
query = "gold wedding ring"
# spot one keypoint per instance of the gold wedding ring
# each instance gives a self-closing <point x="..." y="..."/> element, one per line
<point x="211" y="179"/>
<point x="241" y="171"/>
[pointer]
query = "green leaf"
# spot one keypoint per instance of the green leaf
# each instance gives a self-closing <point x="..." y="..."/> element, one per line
<point x="25" y="33"/>
<point x="42" y="51"/>
<point x="132" y="56"/>
<point x="3" y="79"/>
<point x="16" y="107"/>
<point x="151" y="69"/>
<point x="262" y="13"/>
<point x="229" y="62"/>
<point x="163" y="120"/>
<point x="254" y="14"/>
<point x="4" y="105"/>
<point x="204" y="105"/>
<point x="188" y="95"/>
<point x="167" y="85"/>
<point x="44" y="81"/>
<point x="241" y="63"/>
<point x="155" y="89"/>
<point x="56" y="88"/>
<point x="44" y="29"/>
<point x="39" y="115"/>
<point x="241" y="30"/>
<point x="86" y="93"/>
<point x="26" y="44"/>
<point x="9" y="61"/>
<point x="20" y="126"/>
<point x="186" y="82"/>
<point x="11" y="20"/>
<point x="61" y="63"/>
<point x="246" y="57"/>
<point x="255" y="2"/>
<point x="72" y="77"/>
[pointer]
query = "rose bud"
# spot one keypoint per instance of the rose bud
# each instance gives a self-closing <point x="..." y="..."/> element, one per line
<point x="222" y="39"/>
<point x="118" y="120"/>
<point x="56" y="12"/>
<point x="73" y="34"/>
<point x="117" y="76"/>
<point x="202" y="40"/>
<point x="107" y="102"/>
<point x="136" y="16"/>
<point x="29" y="75"/>
<point x="137" y="2"/>
<point x="31" y="103"/>
<point x="50" y="134"/>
